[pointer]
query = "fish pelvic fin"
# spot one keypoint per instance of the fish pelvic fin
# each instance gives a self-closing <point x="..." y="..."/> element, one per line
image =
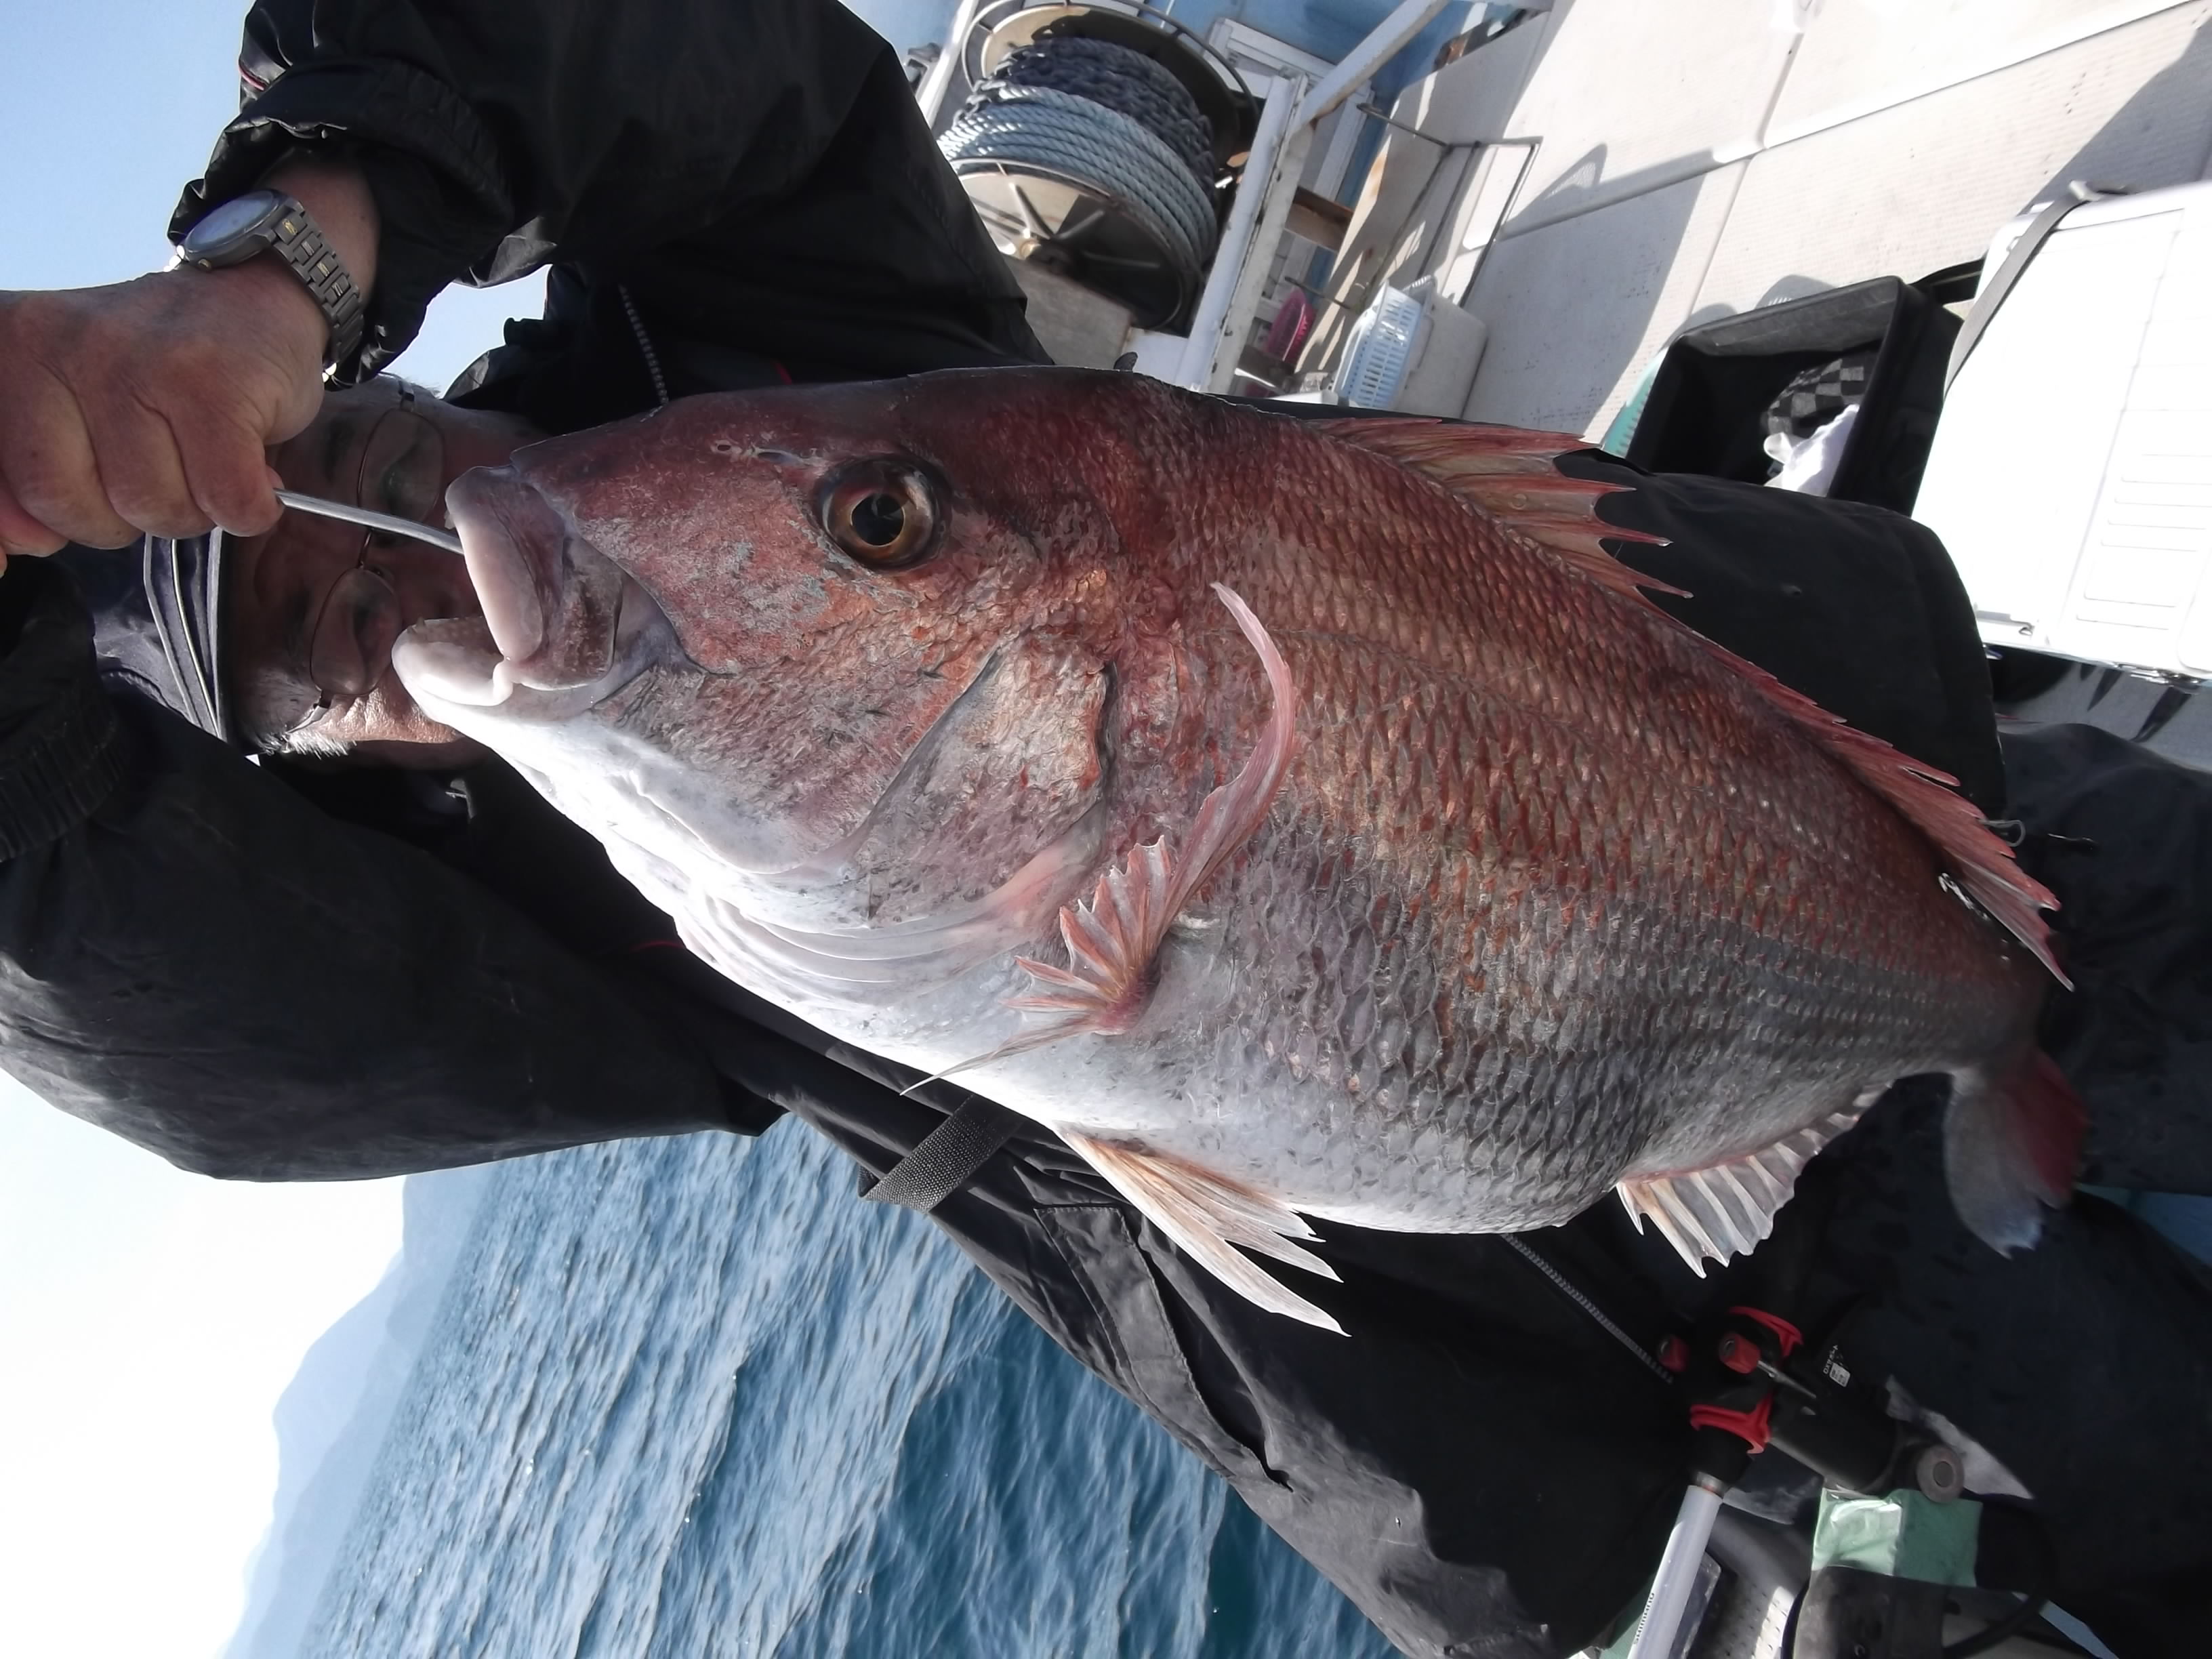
<point x="2012" y="1138"/>
<point x="1207" y="1216"/>
<point x="1726" y="1209"/>
<point x="1508" y="475"/>
<point x="1113" y="937"/>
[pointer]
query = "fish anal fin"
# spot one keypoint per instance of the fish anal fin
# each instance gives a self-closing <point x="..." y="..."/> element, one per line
<point x="1724" y="1210"/>
<point x="1207" y="1216"/>
<point x="1113" y="937"/>
<point x="2010" y="1144"/>
<point x="1500" y="470"/>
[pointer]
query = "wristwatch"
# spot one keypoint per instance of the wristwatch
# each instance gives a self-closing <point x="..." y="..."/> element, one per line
<point x="263" y="221"/>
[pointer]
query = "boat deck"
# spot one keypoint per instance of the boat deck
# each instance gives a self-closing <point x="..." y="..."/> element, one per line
<point x="1673" y="164"/>
<point x="1610" y="172"/>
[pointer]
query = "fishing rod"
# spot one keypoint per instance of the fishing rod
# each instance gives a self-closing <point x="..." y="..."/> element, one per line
<point x="390" y="524"/>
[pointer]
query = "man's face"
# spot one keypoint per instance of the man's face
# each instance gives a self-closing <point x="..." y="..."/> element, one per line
<point x="312" y="609"/>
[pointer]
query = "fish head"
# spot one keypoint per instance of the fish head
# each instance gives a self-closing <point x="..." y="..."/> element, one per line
<point x="840" y="654"/>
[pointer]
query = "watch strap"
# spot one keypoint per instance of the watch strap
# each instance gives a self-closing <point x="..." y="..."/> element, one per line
<point x="295" y="234"/>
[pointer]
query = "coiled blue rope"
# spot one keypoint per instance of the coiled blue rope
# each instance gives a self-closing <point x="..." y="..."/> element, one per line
<point x="1107" y="118"/>
<point x="1122" y="80"/>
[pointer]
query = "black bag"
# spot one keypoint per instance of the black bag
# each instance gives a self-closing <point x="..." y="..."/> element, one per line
<point x="1710" y="402"/>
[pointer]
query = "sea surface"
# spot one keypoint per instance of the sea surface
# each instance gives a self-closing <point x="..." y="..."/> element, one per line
<point x="691" y="1397"/>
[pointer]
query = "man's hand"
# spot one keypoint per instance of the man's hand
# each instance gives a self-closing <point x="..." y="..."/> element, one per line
<point x="147" y="406"/>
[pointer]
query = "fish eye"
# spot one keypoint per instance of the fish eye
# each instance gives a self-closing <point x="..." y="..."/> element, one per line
<point x="881" y="512"/>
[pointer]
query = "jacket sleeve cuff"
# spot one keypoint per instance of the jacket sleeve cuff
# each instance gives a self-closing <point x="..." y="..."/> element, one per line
<point x="61" y="748"/>
<point x="431" y="164"/>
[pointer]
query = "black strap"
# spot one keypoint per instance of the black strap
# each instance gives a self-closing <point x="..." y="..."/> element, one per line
<point x="1953" y="284"/>
<point x="946" y="1157"/>
<point x="1527" y="1252"/>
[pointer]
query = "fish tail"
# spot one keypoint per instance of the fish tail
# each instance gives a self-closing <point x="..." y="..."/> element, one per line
<point x="2011" y="1141"/>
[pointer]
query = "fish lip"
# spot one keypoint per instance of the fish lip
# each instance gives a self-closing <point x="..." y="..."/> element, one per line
<point x="451" y="659"/>
<point x="455" y="661"/>
<point x="559" y="611"/>
<point x="511" y="538"/>
<point x="563" y="626"/>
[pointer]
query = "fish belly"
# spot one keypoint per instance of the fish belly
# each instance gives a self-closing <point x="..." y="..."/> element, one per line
<point x="1493" y="1071"/>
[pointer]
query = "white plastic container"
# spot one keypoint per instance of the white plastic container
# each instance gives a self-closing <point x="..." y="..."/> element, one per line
<point x="1411" y="350"/>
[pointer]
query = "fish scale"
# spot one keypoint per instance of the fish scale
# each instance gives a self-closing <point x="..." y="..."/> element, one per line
<point x="1304" y="818"/>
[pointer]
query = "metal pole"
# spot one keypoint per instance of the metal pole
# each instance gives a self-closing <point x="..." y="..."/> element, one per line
<point x="1265" y="194"/>
<point x="1678" y="1571"/>
<point x="1370" y="55"/>
<point x="1207" y="323"/>
<point x="1252" y="270"/>
<point x="930" y="95"/>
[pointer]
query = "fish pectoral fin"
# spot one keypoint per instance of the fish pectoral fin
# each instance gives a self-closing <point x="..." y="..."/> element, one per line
<point x="1725" y="1209"/>
<point x="1208" y="1216"/>
<point x="1113" y="938"/>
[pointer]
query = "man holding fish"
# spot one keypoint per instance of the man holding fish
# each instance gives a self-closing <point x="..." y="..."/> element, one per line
<point x="966" y="724"/>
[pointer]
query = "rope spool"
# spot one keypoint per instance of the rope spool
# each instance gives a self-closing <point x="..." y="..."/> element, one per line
<point x="1123" y="80"/>
<point x="1093" y="159"/>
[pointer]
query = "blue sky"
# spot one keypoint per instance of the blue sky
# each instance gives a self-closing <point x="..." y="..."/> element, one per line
<point x="152" y="1318"/>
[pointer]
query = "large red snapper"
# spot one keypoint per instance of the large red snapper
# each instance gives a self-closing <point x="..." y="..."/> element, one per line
<point x="1300" y="817"/>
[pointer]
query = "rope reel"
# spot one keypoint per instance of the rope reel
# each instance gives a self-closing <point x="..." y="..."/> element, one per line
<point x="1088" y="148"/>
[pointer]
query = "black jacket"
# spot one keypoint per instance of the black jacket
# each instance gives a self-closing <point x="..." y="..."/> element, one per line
<point x="279" y="975"/>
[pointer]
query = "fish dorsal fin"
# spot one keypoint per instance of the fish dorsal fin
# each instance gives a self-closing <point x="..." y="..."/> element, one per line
<point x="1726" y="1209"/>
<point x="1928" y="800"/>
<point x="1510" y="475"/>
<point x="1207" y="1215"/>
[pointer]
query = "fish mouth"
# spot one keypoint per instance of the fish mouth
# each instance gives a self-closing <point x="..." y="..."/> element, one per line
<point x="559" y="619"/>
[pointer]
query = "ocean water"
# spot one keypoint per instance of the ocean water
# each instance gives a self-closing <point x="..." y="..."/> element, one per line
<point x="690" y="1398"/>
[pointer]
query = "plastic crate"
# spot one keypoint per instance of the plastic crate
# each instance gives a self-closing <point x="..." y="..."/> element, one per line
<point x="1381" y="345"/>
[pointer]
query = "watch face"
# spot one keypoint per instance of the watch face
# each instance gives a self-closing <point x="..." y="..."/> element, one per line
<point x="228" y="222"/>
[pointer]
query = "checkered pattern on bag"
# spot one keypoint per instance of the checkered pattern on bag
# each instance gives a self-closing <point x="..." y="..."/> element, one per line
<point x="1817" y="395"/>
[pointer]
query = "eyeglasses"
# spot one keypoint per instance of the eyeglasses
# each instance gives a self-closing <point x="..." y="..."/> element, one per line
<point x="402" y="472"/>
